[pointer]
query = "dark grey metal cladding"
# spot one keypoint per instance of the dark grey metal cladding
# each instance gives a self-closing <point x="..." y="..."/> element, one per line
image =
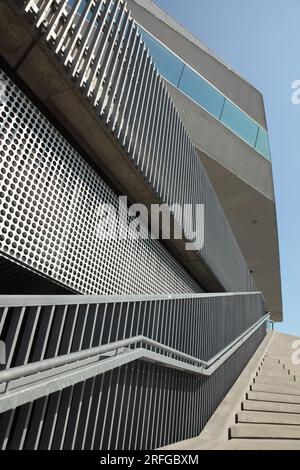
<point x="198" y="325"/>
<point x="103" y="51"/>
<point x="138" y="406"/>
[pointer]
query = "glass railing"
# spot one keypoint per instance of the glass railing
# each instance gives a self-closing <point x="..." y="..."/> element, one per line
<point x="193" y="85"/>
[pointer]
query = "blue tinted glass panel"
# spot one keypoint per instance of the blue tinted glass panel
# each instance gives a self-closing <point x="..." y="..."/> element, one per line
<point x="201" y="91"/>
<point x="241" y="124"/>
<point x="168" y="65"/>
<point x="262" y="144"/>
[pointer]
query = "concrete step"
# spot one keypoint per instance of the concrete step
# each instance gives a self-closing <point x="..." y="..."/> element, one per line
<point x="277" y="397"/>
<point x="269" y="417"/>
<point x="262" y="444"/>
<point x="278" y="370"/>
<point x="271" y="374"/>
<point x="274" y="362"/>
<point x="274" y="357"/>
<point x="268" y="406"/>
<point x="287" y="380"/>
<point x="264" y="431"/>
<point x="276" y="388"/>
<point x="261" y="417"/>
<point x="271" y="362"/>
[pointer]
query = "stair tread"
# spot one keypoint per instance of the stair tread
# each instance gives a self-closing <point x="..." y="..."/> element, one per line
<point x="255" y="405"/>
<point x="270" y="381"/>
<point x="262" y="444"/>
<point x="264" y="431"/>
<point x="267" y="373"/>
<point x="273" y="397"/>
<point x="281" y="388"/>
<point x="260" y="417"/>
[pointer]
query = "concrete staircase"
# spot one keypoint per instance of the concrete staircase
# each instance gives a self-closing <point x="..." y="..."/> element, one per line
<point x="271" y="409"/>
<point x="262" y="410"/>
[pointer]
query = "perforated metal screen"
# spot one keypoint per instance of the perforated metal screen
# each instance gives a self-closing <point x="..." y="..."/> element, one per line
<point x="49" y="217"/>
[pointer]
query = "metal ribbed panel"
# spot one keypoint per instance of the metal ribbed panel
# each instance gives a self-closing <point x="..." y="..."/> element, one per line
<point x="198" y="326"/>
<point x="98" y="43"/>
<point x="138" y="406"/>
<point x="49" y="213"/>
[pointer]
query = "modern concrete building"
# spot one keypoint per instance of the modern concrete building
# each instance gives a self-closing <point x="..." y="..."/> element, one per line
<point x="134" y="341"/>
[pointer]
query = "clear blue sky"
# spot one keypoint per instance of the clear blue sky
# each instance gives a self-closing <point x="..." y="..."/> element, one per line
<point x="260" y="39"/>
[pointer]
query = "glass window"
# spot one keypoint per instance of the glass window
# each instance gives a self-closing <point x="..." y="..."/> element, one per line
<point x="262" y="144"/>
<point x="201" y="91"/>
<point x="168" y="65"/>
<point x="239" y="122"/>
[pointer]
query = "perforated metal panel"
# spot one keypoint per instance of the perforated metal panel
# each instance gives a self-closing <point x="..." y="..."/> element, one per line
<point x="49" y="217"/>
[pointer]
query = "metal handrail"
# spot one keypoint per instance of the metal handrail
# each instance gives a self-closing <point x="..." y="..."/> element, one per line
<point x="43" y="300"/>
<point x="47" y="364"/>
